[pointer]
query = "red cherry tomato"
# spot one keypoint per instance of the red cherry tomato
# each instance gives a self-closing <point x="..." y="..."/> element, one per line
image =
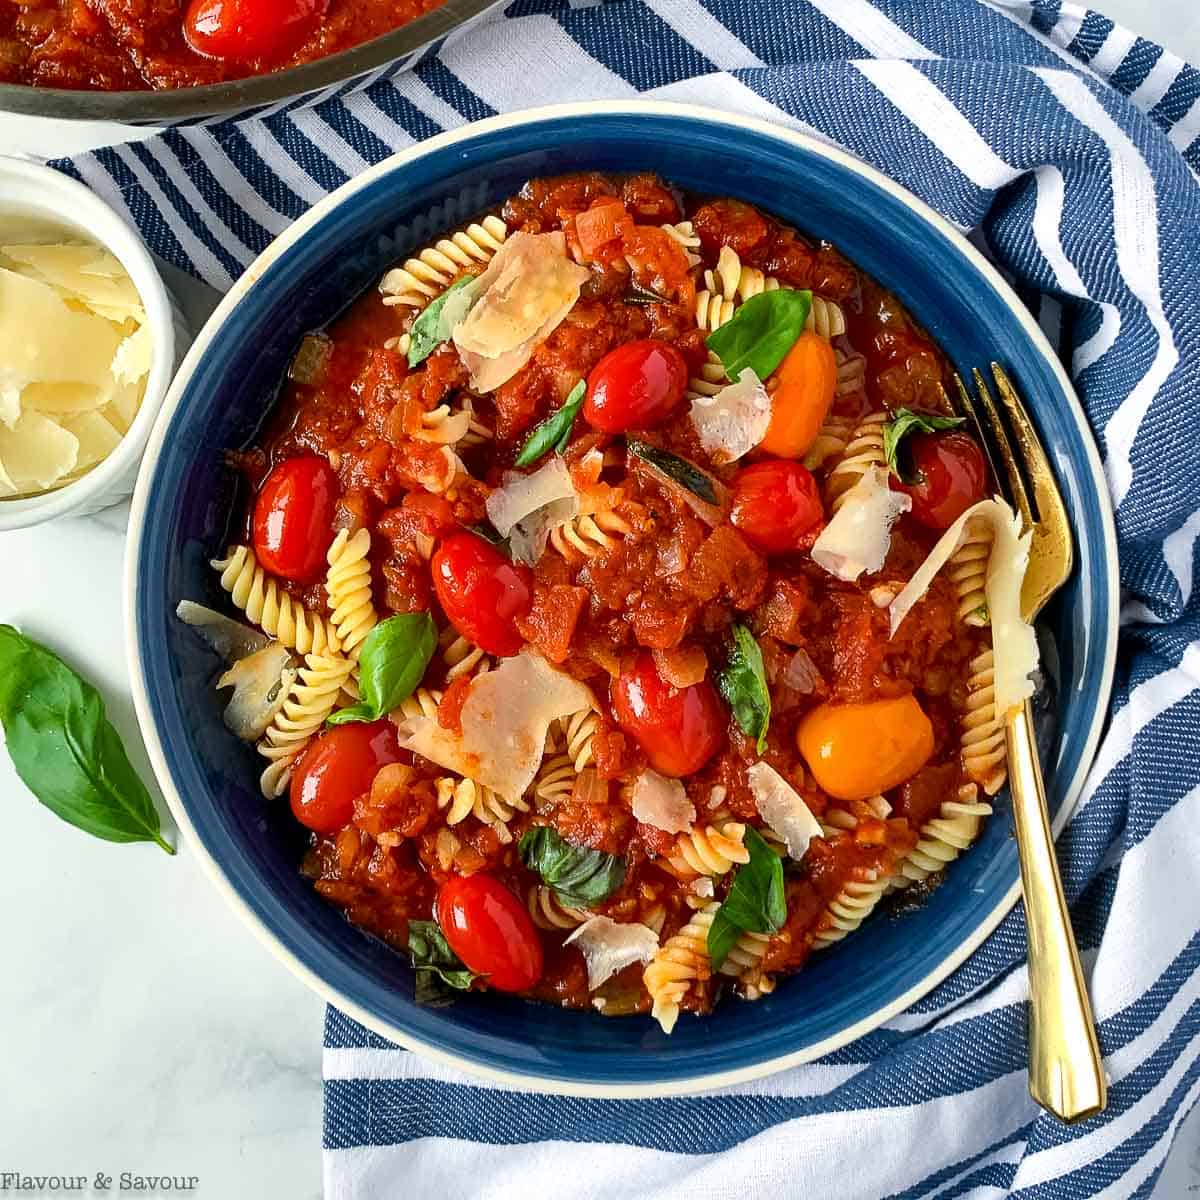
<point x="243" y="30"/>
<point x="951" y="475"/>
<point x="679" y="729"/>
<point x="775" y="504"/>
<point x="491" y="931"/>
<point x="636" y="386"/>
<point x="292" y="516"/>
<point x="338" y="768"/>
<point x="483" y="594"/>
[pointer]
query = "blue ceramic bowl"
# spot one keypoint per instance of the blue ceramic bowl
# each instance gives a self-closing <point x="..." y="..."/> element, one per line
<point x="182" y="510"/>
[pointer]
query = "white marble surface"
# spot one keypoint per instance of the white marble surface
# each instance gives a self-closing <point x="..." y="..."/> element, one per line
<point x="142" y="1028"/>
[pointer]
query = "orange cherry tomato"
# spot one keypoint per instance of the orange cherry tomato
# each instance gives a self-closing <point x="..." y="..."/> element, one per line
<point x="856" y="751"/>
<point x="803" y="391"/>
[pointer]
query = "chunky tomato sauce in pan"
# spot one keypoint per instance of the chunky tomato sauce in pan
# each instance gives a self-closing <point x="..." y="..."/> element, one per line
<point x="682" y="589"/>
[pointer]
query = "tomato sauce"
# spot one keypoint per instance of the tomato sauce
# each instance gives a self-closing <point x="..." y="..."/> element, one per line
<point x="673" y="584"/>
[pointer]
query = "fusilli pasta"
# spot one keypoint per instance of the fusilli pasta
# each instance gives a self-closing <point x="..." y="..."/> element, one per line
<point x="863" y="451"/>
<point x="548" y="912"/>
<point x="830" y="442"/>
<point x="422" y="703"/>
<point x="677" y="965"/>
<point x="348" y="588"/>
<point x="465" y="797"/>
<point x="424" y="277"/>
<point x="850" y="908"/>
<point x="955" y="827"/>
<point x="744" y="963"/>
<point x="579" y="730"/>
<point x="685" y="234"/>
<point x="272" y="609"/>
<point x="588" y="534"/>
<point x="555" y="781"/>
<point x="313" y="697"/>
<point x="967" y="569"/>
<point x="460" y="657"/>
<point x="984" y="754"/>
<point x="709" y="850"/>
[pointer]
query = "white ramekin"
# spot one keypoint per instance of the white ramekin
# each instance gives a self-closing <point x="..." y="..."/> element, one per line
<point x="43" y="194"/>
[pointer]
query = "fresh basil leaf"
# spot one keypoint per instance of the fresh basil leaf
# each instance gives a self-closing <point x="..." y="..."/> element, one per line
<point x="437" y="966"/>
<point x="555" y="431"/>
<point x="904" y="421"/>
<point x="429" y="330"/>
<point x="640" y="295"/>
<point x="65" y="749"/>
<point x="391" y="665"/>
<point x="579" y="875"/>
<point x="743" y="683"/>
<point x="676" y="468"/>
<point x="761" y="332"/>
<point x="755" y="902"/>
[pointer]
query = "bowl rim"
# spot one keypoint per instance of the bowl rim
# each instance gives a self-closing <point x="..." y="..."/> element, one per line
<point x="237" y="95"/>
<point x="565" y="112"/>
<point x="76" y="208"/>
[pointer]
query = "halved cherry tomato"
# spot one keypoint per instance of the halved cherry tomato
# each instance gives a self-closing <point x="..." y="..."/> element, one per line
<point x="292" y="518"/>
<point x="856" y="751"/>
<point x="491" y="931"/>
<point x="483" y="594"/>
<point x="679" y="729"/>
<point x="776" y="505"/>
<point x="337" y="768"/>
<point x="242" y="30"/>
<point x="950" y="475"/>
<point x="636" y="386"/>
<point x="801" y="391"/>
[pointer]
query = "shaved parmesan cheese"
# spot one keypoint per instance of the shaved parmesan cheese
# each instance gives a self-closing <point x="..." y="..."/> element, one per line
<point x="1014" y="643"/>
<point x="98" y="438"/>
<point x="732" y="422"/>
<point x="661" y="802"/>
<point x="36" y="452"/>
<point x="134" y="356"/>
<point x="60" y="398"/>
<point x="860" y="534"/>
<point x="260" y="683"/>
<point x="81" y="272"/>
<point x="781" y="807"/>
<point x="229" y="638"/>
<point x="505" y="719"/>
<point x="528" y="507"/>
<point x="610" y="946"/>
<point x="528" y="288"/>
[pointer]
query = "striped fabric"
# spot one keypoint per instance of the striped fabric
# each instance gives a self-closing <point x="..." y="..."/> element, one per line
<point x="1071" y="146"/>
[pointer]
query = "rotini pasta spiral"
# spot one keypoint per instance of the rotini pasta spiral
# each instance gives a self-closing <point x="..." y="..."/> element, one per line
<point x="709" y="850"/>
<point x="685" y="234"/>
<point x="967" y="569"/>
<point x="588" y="534"/>
<point x="744" y="963"/>
<point x="944" y="838"/>
<point x="713" y="310"/>
<point x="272" y="609"/>
<point x="464" y="797"/>
<point x="460" y="657"/>
<point x="313" y="697"/>
<point x="984" y="754"/>
<point x="826" y="318"/>
<point x="579" y="730"/>
<point x="555" y="781"/>
<point x="677" y="965"/>
<point x="830" y="441"/>
<point x="863" y="451"/>
<point x="548" y="912"/>
<point x="851" y="373"/>
<point x="422" y="703"/>
<point x="348" y="587"/>
<point x="850" y="908"/>
<point x="424" y="277"/>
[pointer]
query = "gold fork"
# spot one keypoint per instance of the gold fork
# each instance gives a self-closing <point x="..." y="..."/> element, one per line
<point x="1066" y="1075"/>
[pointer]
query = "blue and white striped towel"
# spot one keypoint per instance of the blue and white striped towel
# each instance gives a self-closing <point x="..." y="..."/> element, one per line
<point x="1073" y="145"/>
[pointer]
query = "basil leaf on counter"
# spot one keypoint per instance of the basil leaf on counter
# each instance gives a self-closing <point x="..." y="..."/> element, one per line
<point x="555" y="431"/>
<point x="429" y="330"/>
<point x="437" y="966"/>
<point x="579" y="875"/>
<point x="66" y="750"/>
<point x="761" y="332"/>
<point x="904" y="422"/>
<point x="679" y="469"/>
<point x="391" y="665"/>
<point x="743" y="683"/>
<point x="755" y="903"/>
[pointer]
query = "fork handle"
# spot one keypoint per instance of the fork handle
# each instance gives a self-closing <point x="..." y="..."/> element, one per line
<point x="1066" y="1075"/>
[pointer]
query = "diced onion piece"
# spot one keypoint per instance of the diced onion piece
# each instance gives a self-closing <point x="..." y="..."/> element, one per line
<point x="261" y="682"/>
<point x="781" y="807"/>
<point x="528" y="288"/>
<point x="858" y="537"/>
<point x="661" y="802"/>
<point x="681" y="666"/>
<point x="229" y="638"/>
<point x="610" y="946"/>
<point x="1014" y="644"/>
<point x="801" y="673"/>
<point x="528" y="507"/>
<point x="734" y="420"/>
<point x="505" y="719"/>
